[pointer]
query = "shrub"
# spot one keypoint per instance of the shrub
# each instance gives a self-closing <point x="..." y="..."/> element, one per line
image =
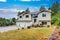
<point x="58" y="23"/>
<point x="18" y="29"/>
<point x="54" y="20"/>
<point x="59" y="32"/>
<point x="32" y="25"/>
<point x="48" y="26"/>
<point x="29" y="27"/>
<point x="35" y="25"/>
<point x="41" y="25"/>
<point x="22" y="27"/>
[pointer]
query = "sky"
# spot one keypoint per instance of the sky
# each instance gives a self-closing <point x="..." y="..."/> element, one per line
<point x="10" y="8"/>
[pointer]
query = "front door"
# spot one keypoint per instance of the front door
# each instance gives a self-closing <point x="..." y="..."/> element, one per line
<point x="35" y="20"/>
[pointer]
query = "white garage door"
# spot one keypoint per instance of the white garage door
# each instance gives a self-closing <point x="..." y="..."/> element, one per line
<point x="24" y="24"/>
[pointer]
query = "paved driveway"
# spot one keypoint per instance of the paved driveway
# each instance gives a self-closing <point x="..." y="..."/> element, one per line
<point x="8" y="28"/>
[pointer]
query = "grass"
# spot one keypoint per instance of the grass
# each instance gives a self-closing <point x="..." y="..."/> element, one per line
<point x="27" y="34"/>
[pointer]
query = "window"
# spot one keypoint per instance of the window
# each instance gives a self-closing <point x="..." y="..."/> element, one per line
<point x="27" y="16"/>
<point x="34" y="20"/>
<point x="44" y="23"/>
<point x="35" y="15"/>
<point x="20" y="16"/>
<point x="43" y="15"/>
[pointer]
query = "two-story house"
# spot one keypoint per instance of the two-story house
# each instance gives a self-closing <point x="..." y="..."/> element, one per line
<point x="39" y="17"/>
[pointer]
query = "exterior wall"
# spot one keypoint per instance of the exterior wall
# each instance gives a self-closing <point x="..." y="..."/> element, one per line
<point x="23" y="24"/>
<point x="48" y="23"/>
<point x="36" y="20"/>
<point x="48" y="16"/>
<point x="20" y="18"/>
<point x="20" y="24"/>
<point x="24" y="17"/>
<point x="40" y="23"/>
<point x="28" y="24"/>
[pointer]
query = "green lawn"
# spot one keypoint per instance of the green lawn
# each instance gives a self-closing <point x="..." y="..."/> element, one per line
<point x="27" y="34"/>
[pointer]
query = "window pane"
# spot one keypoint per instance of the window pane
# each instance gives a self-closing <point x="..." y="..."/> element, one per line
<point x="27" y="16"/>
<point x="20" y="16"/>
<point x="44" y="23"/>
<point x="35" y="15"/>
<point x="43" y="15"/>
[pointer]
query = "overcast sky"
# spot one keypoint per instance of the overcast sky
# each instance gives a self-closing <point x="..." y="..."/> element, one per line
<point x="10" y="8"/>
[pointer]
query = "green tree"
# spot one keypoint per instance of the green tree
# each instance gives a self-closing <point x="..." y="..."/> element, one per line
<point x="55" y="8"/>
<point x="14" y="20"/>
<point x="19" y="13"/>
<point x="27" y="10"/>
<point x="42" y="8"/>
<point x="53" y="21"/>
<point x="5" y="22"/>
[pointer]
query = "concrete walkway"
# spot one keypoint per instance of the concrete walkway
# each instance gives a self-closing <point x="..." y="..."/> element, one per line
<point x="8" y="28"/>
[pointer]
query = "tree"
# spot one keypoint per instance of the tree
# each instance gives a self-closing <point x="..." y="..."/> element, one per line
<point x="14" y="20"/>
<point x="27" y="10"/>
<point x="42" y="8"/>
<point x="53" y="21"/>
<point x="4" y="22"/>
<point x="19" y="13"/>
<point x="55" y="8"/>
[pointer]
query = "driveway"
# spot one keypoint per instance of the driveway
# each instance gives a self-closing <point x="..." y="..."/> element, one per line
<point x="8" y="28"/>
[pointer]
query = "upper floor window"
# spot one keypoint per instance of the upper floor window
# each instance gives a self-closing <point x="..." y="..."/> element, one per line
<point x="27" y="16"/>
<point x="35" y="15"/>
<point x="20" y="16"/>
<point x="43" y="15"/>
